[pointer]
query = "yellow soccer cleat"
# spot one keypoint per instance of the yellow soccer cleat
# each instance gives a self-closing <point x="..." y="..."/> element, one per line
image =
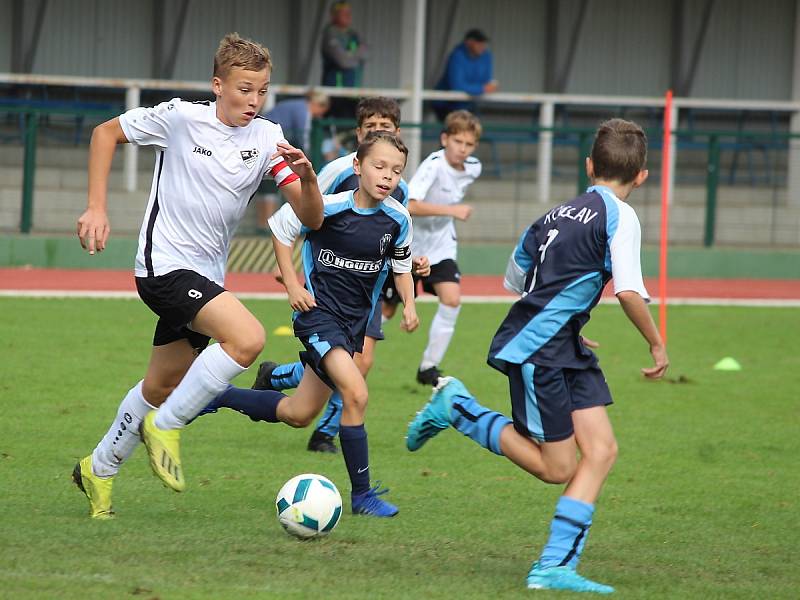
<point x="97" y="489"/>
<point x="163" y="446"/>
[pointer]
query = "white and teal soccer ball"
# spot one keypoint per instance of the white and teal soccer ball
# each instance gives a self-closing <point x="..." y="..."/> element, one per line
<point x="309" y="506"/>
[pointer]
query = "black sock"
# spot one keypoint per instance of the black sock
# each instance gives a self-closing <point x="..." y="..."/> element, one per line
<point x="356" y="456"/>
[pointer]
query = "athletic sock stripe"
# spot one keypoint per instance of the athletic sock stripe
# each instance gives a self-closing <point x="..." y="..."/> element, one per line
<point x="324" y="424"/>
<point x="574" y="548"/>
<point x="467" y="415"/>
<point x="278" y="376"/>
<point x="151" y="223"/>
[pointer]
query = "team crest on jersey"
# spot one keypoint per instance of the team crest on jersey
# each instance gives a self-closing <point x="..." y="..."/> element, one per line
<point x="385" y="241"/>
<point x="249" y="157"/>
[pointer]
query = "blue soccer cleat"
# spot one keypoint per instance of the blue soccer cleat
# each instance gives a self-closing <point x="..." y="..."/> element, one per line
<point x="368" y="503"/>
<point x="435" y="415"/>
<point x="563" y="578"/>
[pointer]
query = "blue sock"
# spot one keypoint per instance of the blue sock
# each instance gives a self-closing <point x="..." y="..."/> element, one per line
<point x="568" y="532"/>
<point x="478" y="423"/>
<point x="329" y="422"/>
<point x="259" y="405"/>
<point x="287" y="376"/>
<point x="353" y="439"/>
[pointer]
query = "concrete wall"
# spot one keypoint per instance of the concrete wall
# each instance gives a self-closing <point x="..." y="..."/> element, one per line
<point x="624" y="46"/>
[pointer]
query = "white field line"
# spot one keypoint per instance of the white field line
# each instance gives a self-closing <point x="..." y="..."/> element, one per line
<point x="753" y="302"/>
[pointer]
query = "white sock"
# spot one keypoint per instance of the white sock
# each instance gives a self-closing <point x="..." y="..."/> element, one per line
<point x="209" y="375"/>
<point x="442" y="328"/>
<point x="122" y="438"/>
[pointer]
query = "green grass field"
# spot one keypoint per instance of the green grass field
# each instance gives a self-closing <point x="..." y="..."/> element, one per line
<point x="703" y="502"/>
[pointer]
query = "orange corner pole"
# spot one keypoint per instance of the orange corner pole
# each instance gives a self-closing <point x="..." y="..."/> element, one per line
<point x="662" y="258"/>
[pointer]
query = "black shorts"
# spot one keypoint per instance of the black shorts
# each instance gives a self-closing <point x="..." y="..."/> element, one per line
<point x="320" y="333"/>
<point x="441" y="272"/>
<point x="389" y="292"/>
<point x="176" y="298"/>
<point x="543" y="398"/>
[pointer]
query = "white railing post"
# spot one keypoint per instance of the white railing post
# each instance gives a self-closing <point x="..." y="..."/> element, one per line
<point x="132" y="100"/>
<point x="673" y="151"/>
<point x="413" y="29"/>
<point x="546" y="119"/>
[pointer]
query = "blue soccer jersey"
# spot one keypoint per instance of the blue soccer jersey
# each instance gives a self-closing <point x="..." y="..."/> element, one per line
<point x="347" y="259"/>
<point x="339" y="176"/>
<point x="560" y="266"/>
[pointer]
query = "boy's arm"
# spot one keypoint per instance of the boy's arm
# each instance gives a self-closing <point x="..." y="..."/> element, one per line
<point x="636" y="310"/>
<point x="418" y="188"/>
<point x="404" y="284"/>
<point x="626" y="269"/>
<point x="420" y="208"/>
<point x="93" y="226"/>
<point x="303" y="195"/>
<point x="286" y="228"/>
<point x="299" y="297"/>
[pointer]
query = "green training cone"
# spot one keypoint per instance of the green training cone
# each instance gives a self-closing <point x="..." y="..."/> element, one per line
<point x="728" y="364"/>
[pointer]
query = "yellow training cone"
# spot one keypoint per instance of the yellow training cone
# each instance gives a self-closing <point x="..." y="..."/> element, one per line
<point x="283" y="330"/>
<point x="728" y="364"/>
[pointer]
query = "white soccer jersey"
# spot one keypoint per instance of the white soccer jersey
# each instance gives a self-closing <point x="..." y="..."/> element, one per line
<point x="205" y="174"/>
<point x="436" y="182"/>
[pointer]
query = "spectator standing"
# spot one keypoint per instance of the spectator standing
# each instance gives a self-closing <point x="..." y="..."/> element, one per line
<point x="343" y="57"/>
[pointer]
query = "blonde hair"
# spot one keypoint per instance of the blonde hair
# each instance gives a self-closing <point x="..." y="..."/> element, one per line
<point x="235" y="51"/>
<point x="459" y="121"/>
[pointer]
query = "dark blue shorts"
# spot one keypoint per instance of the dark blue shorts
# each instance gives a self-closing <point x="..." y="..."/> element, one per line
<point x="375" y="325"/>
<point x="543" y="398"/>
<point x="320" y="333"/>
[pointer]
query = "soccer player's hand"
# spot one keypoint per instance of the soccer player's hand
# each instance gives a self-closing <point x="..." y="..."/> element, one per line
<point x="661" y="360"/>
<point x="410" y="319"/>
<point x="93" y="230"/>
<point x="300" y="298"/>
<point x="296" y="160"/>
<point x="421" y="266"/>
<point x="589" y="343"/>
<point x="462" y="212"/>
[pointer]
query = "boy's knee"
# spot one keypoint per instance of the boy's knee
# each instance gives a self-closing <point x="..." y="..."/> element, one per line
<point x="155" y="392"/>
<point x="452" y="301"/>
<point x="559" y="473"/>
<point x="298" y="421"/>
<point x="356" y="399"/>
<point x="246" y="347"/>
<point x="607" y="452"/>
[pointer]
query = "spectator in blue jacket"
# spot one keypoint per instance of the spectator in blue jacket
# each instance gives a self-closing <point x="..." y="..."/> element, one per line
<point x="469" y="69"/>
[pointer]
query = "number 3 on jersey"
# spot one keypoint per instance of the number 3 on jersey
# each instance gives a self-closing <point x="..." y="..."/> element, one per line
<point x="551" y="236"/>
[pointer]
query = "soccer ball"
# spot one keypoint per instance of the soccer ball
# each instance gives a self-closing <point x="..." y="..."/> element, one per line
<point x="309" y="506"/>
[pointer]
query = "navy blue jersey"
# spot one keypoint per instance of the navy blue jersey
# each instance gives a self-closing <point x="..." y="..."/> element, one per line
<point x="338" y="176"/>
<point x="347" y="259"/>
<point x="560" y="266"/>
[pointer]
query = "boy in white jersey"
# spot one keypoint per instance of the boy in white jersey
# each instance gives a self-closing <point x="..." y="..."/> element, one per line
<point x="436" y="192"/>
<point x="210" y="159"/>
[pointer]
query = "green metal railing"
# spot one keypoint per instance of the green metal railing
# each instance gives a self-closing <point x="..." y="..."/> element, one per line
<point x="709" y="141"/>
<point x="32" y="116"/>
